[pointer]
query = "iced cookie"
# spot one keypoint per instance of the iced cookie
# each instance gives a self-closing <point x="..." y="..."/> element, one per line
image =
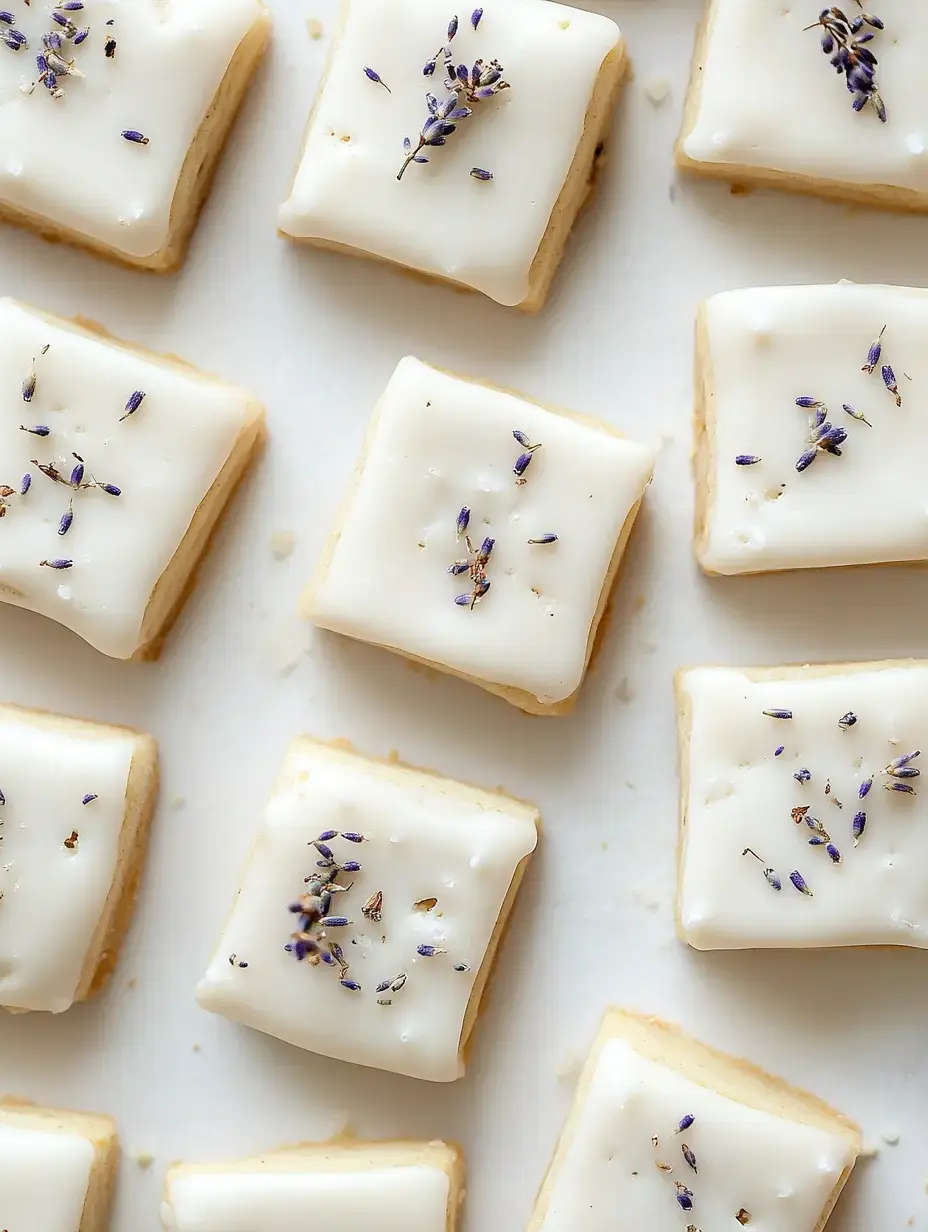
<point x="115" y="113"/>
<point x="821" y="100"/>
<point x="57" y="1169"/>
<point x="351" y="1187"/>
<point x="802" y="821"/>
<point x="115" y="466"/>
<point x="377" y="894"/>
<point x="804" y="396"/>
<point x="76" y="799"/>
<point x="481" y="534"/>
<point x="666" y="1132"/>
<point x="438" y="143"/>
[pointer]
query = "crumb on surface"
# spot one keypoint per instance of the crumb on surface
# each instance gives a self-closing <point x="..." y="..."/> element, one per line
<point x="891" y="1138"/>
<point x="315" y="28"/>
<point x="657" y="90"/>
<point x="178" y="803"/>
<point x="281" y="544"/>
<point x="133" y="983"/>
<point x="144" y="1159"/>
<point x="624" y="690"/>
<point x="197" y="1048"/>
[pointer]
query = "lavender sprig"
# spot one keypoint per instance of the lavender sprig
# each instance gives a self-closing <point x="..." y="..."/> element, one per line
<point x="374" y="76"/>
<point x="844" y="41"/>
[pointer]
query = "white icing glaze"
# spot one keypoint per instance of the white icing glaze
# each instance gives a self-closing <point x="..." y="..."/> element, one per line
<point x="779" y="1171"/>
<point x="770" y="345"/>
<point x="65" y="159"/>
<point x="441" y="443"/>
<point x="164" y="459"/>
<point x="413" y="1199"/>
<point x="437" y="218"/>
<point x="43" y="1179"/>
<point x="770" y="99"/>
<point x="741" y="795"/>
<point x="45" y="772"/>
<point x="426" y="838"/>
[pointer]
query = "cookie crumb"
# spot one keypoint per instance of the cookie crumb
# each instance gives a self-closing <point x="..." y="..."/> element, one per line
<point x="144" y="1160"/>
<point x="133" y="983"/>
<point x="624" y="690"/>
<point x="197" y="1048"/>
<point x="891" y="1139"/>
<point x="281" y="544"/>
<point x="657" y="90"/>
<point x="315" y="28"/>
<point x="178" y="803"/>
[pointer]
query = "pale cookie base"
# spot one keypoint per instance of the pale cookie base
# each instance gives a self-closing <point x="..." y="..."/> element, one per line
<point x="141" y="798"/>
<point x="576" y="190"/>
<point x="179" y="577"/>
<point x="730" y="1076"/>
<point x="525" y="701"/>
<point x="346" y="1155"/>
<point x="804" y="671"/>
<point x="886" y="196"/>
<point x="98" y="1129"/>
<point x="196" y="175"/>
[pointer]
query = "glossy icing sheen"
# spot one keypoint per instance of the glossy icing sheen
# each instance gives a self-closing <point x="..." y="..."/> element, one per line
<point x="441" y="443"/>
<point x="171" y="57"/>
<point x="164" y="459"/>
<point x="438" y="218"/>
<point x="43" y="1180"/>
<point x="44" y="776"/>
<point x="426" y="838"/>
<point x="742" y="795"/>
<point x="780" y="1172"/>
<point x="770" y="99"/>
<point x="768" y="346"/>
<point x="385" y="1199"/>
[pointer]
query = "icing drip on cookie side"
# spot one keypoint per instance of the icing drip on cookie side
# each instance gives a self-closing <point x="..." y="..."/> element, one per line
<point x="43" y="1178"/>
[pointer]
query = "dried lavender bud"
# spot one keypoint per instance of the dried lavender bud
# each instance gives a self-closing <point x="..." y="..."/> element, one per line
<point x="464" y="600"/>
<point x="809" y="404"/>
<point x="747" y="459"/>
<point x="461" y="967"/>
<point x="485" y="549"/>
<point x="864" y="789"/>
<point x="799" y="882"/>
<point x="895" y="785"/>
<point x="335" y="921"/>
<point x="15" y="40"/>
<point x="855" y="414"/>
<point x="137" y="138"/>
<point x="899" y="762"/>
<point x="375" y="77"/>
<point x="459" y="567"/>
<point x="873" y="355"/>
<point x="521" y="466"/>
<point x="25" y="485"/>
<point x="803" y="775"/>
<point x="66" y="519"/>
<point x="89" y="799"/>
<point x="110" y="489"/>
<point x="817" y="828"/>
<point x="684" y="1196"/>
<point x="77" y="473"/>
<point x="834" y="853"/>
<point x="350" y="836"/>
<point x="135" y="401"/>
<point x="429" y="951"/>
<point x="351" y="866"/>
<point x="29" y="385"/>
<point x="689" y="1157"/>
<point x="684" y="1123"/>
<point x="778" y="714"/>
<point x="544" y="539"/>
<point x="351" y="985"/>
<point x="522" y="439"/>
<point x="478" y="173"/>
<point x="463" y="520"/>
<point x="858" y="826"/>
<point x="452" y="28"/>
<point x="778" y="750"/>
<point x="36" y="430"/>
<point x="6" y="18"/>
<point x="889" y="380"/>
<point x="475" y="17"/>
<point x="57" y="564"/>
<point x="847" y="720"/>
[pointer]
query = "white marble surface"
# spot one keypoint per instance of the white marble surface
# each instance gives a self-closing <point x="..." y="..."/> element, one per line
<point x="317" y="337"/>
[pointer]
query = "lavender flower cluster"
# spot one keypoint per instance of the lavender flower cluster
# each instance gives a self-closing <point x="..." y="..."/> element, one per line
<point x="844" y="41"/>
<point x="52" y="63"/>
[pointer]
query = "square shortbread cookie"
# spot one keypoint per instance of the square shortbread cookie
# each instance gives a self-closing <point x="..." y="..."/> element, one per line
<point x="135" y="98"/>
<point x="505" y="523"/>
<point x="57" y="1169"/>
<point x="807" y="830"/>
<point x="785" y="376"/>
<point x="115" y="465"/>
<point x="348" y="1187"/>
<point x="766" y="107"/>
<point x="415" y="877"/>
<point x="514" y="158"/>
<point x="76" y="799"/>
<point x="666" y="1132"/>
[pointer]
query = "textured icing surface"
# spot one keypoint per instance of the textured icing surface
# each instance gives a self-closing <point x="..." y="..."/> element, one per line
<point x="163" y="458"/>
<point x="442" y="443"/>
<point x="43" y="1180"/>
<point x="44" y="777"/>
<point x="788" y="110"/>
<point x="742" y="795"/>
<point x="767" y="347"/>
<point x="425" y="838"/>
<point x="410" y="1199"/>
<point x="438" y="218"/>
<point x="170" y="58"/>
<point x="777" y="1171"/>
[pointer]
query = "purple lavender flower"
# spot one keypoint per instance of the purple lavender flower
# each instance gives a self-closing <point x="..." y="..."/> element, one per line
<point x="15" y="40"/>
<point x="478" y="173"/>
<point x="475" y="17"/>
<point x="135" y="401"/>
<point x="889" y="380"/>
<point x="522" y="464"/>
<point x="77" y="473"/>
<point x="59" y="563"/>
<point x="550" y="538"/>
<point x="429" y="951"/>
<point x="89" y="799"/>
<point x="351" y="985"/>
<point x="36" y="429"/>
<point x="809" y="404"/>
<point x="66" y="519"/>
<point x="803" y="775"/>
<point x="864" y="789"/>
<point x="371" y="75"/>
<point x="747" y="459"/>
<point x="858" y="826"/>
<point x="800" y="883"/>
<point x="873" y="355"/>
<point x="834" y="853"/>
<point x="463" y="520"/>
<point x="25" y="485"/>
<point x="134" y="136"/>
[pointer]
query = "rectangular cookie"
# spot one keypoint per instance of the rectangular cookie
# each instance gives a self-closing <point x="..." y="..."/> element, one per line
<point x="766" y="106"/>
<point x="76" y="800"/>
<point x="115" y="466"/>
<point x="346" y="1186"/>
<point x="57" y="1169"/>
<point x="481" y="534"/>
<point x="513" y="160"/>
<point x="378" y="894"/>
<point x="811" y="428"/>
<point x="137" y="163"/>
<point x="666" y="1132"/>
<point x="802" y="821"/>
